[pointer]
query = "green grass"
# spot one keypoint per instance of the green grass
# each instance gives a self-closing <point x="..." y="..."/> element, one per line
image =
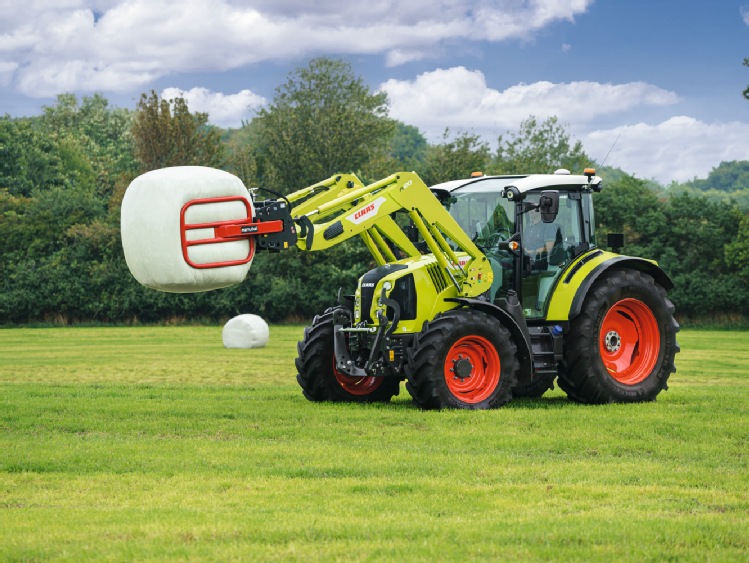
<point x="158" y="443"/>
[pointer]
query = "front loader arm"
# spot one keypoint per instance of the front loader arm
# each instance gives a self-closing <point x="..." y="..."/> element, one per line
<point x="307" y="199"/>
<point x="327" y="220"/>
<point x="307" y="203"/>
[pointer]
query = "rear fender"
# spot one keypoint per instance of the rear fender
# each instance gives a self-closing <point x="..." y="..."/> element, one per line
<point x="617" y="263"/>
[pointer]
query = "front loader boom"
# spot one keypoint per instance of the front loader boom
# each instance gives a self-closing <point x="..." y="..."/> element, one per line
<point x="340" y="208"/>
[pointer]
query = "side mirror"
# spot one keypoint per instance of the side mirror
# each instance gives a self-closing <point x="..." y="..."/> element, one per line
<point x="549" y="206"/>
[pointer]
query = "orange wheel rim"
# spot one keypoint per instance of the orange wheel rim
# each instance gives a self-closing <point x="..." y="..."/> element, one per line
<point x="359" y="386"/>
<point x="472" y="369"/>
<point x="629" y="341"/>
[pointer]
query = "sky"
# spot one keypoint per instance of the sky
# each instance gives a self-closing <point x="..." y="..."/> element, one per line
<point x="654" y="87"/>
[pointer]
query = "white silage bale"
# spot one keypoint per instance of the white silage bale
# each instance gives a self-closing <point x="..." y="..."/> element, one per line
<point x="151" y="236"/>
<point x="245" y="331"/>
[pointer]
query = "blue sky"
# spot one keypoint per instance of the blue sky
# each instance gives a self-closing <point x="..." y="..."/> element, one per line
<point x="660" y="81"/>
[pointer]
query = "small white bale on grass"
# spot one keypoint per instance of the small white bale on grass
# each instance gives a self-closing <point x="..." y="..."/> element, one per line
<point x="245" y="331"/>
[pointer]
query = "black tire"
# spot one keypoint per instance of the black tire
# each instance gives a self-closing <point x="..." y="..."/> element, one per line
<point x="319" y="379"/>
<point x="536" y="388"/>
<point x="627" y="324"/>
<point x="437" y="362"/>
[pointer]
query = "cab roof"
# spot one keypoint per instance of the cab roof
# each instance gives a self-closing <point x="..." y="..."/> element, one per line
<point x="524" y="183"/>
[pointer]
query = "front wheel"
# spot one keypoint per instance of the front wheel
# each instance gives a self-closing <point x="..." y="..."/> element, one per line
<point x="621" y="347"/>
<point x="462" y="359"/>
<point x="319" y="378"/>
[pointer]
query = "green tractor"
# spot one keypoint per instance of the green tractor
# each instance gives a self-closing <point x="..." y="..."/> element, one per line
<point x="484" y="289"/>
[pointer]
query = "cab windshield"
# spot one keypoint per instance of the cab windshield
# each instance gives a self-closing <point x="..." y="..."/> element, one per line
<point x="488" y="219"/>
<point x="481" y="211"/>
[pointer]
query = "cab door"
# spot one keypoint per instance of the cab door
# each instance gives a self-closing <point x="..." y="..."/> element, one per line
<point x="546" y="250"/>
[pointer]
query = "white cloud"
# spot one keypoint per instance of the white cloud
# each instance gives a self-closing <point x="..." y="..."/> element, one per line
<point x="744" y="10"/>
<point x="459" y="98"/>
<point x="680" y="148"/>
<point x="398" y="57"/>
<point x="122" y="45"/>
<point x="224" y="110"/>
<point x="6" y="72"/>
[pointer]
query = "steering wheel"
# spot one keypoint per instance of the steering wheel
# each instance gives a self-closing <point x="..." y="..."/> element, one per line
<point x="498" y="236"/>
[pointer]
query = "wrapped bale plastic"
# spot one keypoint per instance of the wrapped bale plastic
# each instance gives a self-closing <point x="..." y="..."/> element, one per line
<point x="245" y="331"/>
<point x="159" y="212"/>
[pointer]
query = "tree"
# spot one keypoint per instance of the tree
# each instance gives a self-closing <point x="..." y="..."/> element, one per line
<point x="408" y="146"/>
<point x="455" y="159"/>
<point x="29" y="159"/>
<point x="241" y="145"/>
<point x="100" y="134"/>
<point x="628" y="206"/>
<point x="746" y="90"/>
<point x="539" y="148"/>
<point x="693" y="244"/>
<point x="324" y="120"/>
<point x="737" y="251"/>
<point x="167" y="134"/>
<point x="726" y="177"/>
<point x="44" y="271"/>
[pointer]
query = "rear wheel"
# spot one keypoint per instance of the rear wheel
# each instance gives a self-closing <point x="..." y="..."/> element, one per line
<point x="319" y="378"/>
<point x="621" y="347"/>
<point x="463" y="359"/>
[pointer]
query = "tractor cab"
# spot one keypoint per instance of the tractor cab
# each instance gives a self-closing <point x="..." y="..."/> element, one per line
<point x="529" y="227"/>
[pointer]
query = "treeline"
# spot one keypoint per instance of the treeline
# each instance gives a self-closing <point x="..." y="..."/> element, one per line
<point x="63" y="175"/>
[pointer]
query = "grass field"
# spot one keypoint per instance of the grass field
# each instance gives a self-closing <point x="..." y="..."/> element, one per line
<point x="157" y="443"/>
